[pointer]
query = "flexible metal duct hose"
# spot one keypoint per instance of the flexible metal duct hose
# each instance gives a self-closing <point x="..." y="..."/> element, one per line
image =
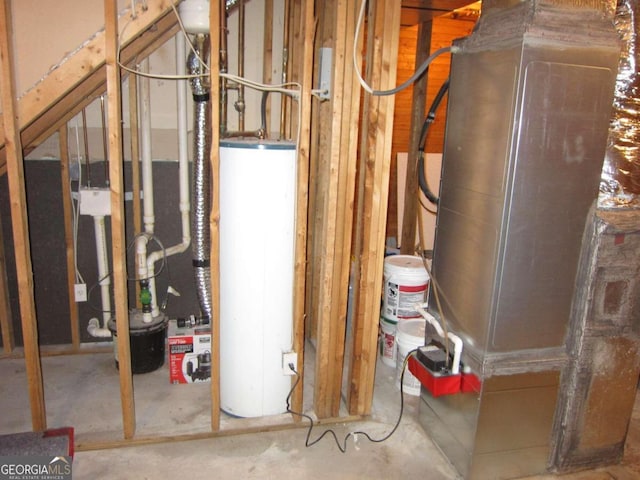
<point x="201" y="196"/>
<point x="620" y="181"/>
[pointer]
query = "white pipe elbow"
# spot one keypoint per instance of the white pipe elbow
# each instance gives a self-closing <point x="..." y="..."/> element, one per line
<point x="455" y="339"/>
<point x="95" y="331"/>
<point x="457" y="352"/>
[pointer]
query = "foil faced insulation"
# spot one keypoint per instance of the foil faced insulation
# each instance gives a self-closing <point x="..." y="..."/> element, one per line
<point x="620" y="181"/>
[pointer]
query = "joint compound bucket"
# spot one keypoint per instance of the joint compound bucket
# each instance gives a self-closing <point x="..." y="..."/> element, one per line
<point x="409" y="336"/>
<point x="388" y="341"/>
<point x="405" y="284"/>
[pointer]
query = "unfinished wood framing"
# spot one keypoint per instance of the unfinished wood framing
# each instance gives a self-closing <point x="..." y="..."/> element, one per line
<point x="306" y="20"/>
<point x="375" y="151"/>
<point x="334" y="207"/>
<point x="67" y="208"/>
<point x="328" y="155"/>
<point x="6" y="325"/>
<point x="118" y="242"/>
<point x="64" y="79"/>
<point x="19" y="221"/>
<point x="214" y="71"/>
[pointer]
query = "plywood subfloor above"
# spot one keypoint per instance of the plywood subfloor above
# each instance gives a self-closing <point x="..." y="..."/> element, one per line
<point x="81" y="77"/>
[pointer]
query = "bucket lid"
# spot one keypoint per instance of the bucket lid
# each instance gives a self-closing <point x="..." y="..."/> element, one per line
<point x="412" y="330"/>
<point x="404" y="263"/>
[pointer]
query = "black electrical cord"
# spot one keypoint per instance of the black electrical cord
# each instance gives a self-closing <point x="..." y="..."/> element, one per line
<point x="422" y="180"/>
<point x="343" y="446"/>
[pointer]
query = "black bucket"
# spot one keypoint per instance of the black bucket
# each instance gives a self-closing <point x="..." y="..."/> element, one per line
<point x="146" y="340"/>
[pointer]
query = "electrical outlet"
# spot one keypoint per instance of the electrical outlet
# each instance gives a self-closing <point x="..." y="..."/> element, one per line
<point x="80" y="290"/>
<point x="287" y="358"/>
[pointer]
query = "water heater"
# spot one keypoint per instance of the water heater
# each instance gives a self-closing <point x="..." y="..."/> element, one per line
<point x="257" y="253"/>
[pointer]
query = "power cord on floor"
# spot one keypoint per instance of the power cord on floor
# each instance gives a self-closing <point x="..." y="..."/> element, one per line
<point x="343" y="446"/>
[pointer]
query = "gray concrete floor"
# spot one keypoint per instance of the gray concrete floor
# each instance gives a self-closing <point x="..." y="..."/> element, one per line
<point x="82" y="391"/>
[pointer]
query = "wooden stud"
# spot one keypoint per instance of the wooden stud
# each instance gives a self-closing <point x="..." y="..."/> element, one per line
<point x="75" y="69"/>
<point x="118" y="243"/>
<point x="384" y="28"/>
<point x="6" y="316"/>
<point x="321" y="115"/>
<point x="135" y="153"/>
<point x="67" y="206"/>
<point x="411" y="200"/>
<point x="214" y="71"/>
<point x="135" y="165"/>
<point x="337" y="212"/>
<point x="306" y="73"/>
<point x="19" y="221"/>
<point x="92" y="87"/>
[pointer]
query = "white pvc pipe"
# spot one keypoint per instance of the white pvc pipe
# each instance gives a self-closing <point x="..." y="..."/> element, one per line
<point x="104" y="280"/>
<point x="457" y="341"/>
<point x="148" y="269"/>
<point x="145" y="151"/>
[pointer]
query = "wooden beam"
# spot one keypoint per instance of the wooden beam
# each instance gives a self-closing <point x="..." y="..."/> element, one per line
<point x="411" y="201"/>
<point x="118" y="242"/>
<point x="214" y="221"/>
<point x="135" y="166"/>
<point x="383" y="35"/>
<point x="6" y="316"/>
<point x="68" y="74"/>
<point x="302" y="197"/>
<point x="67" y="207"/>
<point x="19" y="221"/>
<point x="94" y="85"/>
<point x="336" y="211"/>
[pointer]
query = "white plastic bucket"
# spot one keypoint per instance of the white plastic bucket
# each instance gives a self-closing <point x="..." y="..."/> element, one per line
<point x="388" y="341"/>
<point x="409" y="336"/>
<point x="405" y="284"/>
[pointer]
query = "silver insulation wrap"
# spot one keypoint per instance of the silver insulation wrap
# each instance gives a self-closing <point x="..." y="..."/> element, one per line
<point x="201" y="196"/>
<point x="620" y="181"/>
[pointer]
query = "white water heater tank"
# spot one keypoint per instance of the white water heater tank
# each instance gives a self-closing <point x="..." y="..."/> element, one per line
<point x="257" y="253"/>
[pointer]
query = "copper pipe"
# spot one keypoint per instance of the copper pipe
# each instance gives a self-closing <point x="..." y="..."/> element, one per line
<point x="285" y="64"/>
<point x="223" y="68"/>
<point x="240" y="104"/>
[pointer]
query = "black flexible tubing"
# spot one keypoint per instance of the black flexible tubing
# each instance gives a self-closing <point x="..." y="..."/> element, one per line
<point x="343" y="446"/>
<point x="422" y="180"/>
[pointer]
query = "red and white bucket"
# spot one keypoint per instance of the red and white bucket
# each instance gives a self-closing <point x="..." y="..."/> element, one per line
<point x="388" y="341"/>
<point x="405" y="284"/>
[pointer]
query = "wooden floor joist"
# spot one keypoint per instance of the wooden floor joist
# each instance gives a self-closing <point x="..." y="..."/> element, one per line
<point x="19" y="221"/>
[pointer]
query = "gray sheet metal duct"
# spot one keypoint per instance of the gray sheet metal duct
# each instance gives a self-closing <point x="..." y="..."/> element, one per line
<point x="201" y="174"/>
<point x="620" y="182"/>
